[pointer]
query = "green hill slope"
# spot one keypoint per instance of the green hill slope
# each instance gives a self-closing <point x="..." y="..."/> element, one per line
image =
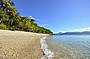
<point x="11" y="20"/>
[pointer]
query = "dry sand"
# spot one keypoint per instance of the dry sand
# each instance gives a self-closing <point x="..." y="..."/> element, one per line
<point x="20" y="45"/>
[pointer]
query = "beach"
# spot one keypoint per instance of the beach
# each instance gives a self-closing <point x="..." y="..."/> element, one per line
<point x="20" y="45"/>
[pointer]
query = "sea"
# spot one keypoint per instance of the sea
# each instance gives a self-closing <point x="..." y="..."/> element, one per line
<point x="69" y="46"/>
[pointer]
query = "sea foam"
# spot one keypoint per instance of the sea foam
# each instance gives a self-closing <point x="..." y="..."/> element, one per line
<point x="48" y="53"/>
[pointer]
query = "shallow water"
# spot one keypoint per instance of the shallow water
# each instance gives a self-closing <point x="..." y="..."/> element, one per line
<point x="70" y="46"/>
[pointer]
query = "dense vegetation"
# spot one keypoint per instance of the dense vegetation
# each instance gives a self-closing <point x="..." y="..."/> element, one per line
<point x="11" y="20"/>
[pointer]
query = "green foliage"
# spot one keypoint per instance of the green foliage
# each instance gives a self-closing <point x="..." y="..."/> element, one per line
<point x="4" y="27"/>
<point x="10" y="19"/>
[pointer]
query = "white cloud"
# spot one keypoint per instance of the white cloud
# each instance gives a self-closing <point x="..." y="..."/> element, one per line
<point x="82" y="29"/>
<point x="37" y="19"/>
<point x="30" y="16"/>
<point x="78" y="30"/>
<point x="21" y="16"/>
<point x="88" y="28"/>
<point x="44" y="25"/>
<point x="33" y="18"/>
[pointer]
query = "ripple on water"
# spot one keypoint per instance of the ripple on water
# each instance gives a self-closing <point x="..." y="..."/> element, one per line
<point x="70" y="47"/>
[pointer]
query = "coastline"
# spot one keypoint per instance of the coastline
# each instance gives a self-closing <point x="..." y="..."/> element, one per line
<point x="48" y="54"/>
<point x="20" y="45"/>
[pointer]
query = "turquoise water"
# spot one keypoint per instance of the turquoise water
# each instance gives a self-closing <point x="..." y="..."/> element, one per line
<point x="70" y="46"/>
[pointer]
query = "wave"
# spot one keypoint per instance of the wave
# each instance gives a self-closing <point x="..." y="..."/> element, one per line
<point x="48" y="53"/>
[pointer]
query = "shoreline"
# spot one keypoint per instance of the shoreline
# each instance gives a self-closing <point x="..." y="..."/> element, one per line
<point x="48" y="54"/>
<point x="20" y="45"/>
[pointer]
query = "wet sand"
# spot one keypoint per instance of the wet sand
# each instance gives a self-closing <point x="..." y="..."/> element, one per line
<point x="20" y="45"/>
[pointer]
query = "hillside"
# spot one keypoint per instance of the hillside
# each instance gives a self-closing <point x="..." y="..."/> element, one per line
<point x="11" y="20"/>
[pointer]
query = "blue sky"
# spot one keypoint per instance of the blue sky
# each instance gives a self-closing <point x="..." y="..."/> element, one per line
<point x="57" y="15"/>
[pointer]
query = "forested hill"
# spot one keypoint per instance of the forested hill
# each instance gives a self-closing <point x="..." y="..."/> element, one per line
<point x="11" y="20"/>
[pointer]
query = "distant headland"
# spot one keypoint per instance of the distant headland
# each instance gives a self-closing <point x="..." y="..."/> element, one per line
<point x="74" y="33"/>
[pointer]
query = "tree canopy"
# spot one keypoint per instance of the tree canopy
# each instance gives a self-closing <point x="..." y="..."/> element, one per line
<point x="11" y="20"/>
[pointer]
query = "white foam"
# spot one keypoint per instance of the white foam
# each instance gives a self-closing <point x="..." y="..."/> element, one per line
<point x="48" y="53"/>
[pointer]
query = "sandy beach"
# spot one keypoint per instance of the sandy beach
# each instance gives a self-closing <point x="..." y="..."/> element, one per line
<point x="20" y="45"/>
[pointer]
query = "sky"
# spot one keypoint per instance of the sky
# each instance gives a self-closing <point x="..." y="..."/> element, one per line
<point x="57" y="15"/>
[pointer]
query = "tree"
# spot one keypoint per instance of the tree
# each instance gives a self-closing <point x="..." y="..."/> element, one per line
<point x="10" y="19"/>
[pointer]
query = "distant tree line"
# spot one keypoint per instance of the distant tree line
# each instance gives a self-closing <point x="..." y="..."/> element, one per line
<point x="11" y="20"/>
